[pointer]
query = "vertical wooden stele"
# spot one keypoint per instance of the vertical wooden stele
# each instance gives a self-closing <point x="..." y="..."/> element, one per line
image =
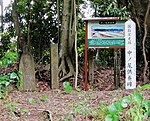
<point x="54" y="66"/>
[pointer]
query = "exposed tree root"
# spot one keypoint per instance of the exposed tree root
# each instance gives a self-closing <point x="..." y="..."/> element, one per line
<point x="66" y="76"/>
<point x="62" y="69"/>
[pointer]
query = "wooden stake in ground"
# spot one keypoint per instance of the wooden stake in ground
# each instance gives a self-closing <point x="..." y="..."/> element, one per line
<point x="91" y="68"/>
<point x="117" y="63"/>
<point x="54" y="66"/>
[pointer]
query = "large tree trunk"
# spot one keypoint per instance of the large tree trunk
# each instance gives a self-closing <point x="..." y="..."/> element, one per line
<point x="66" y="68"/>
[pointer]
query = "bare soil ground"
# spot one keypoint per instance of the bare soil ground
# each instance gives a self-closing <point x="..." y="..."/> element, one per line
<point x="56" y="105"/>
<point x="76" y="106"/>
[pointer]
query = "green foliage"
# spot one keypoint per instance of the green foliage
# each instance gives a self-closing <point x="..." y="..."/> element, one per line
<point x="43" y="98"/>
<point x="110" y="113"/>
<point x="5" y="79"/>
<point x="102" y="111"/>
<point x="80" y="107"/>
<point x="32" y="101"/>
<point x="11" y="106"/>
<point x="109" y="8"/>
<point x="146" y="86"/>
<point x="8" y="59"/>
<point x="138" y="109"/>
<point x="41" y="17"/>
<point x="67" y="87"/>
<point x="81" y="36"/>
<point x="105" y="57"/>
<point x="4" y="43"/>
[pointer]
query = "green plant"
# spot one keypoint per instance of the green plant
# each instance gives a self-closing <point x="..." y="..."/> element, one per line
<point x="67" y="87"/>
<point x="110" y="113"/>
<point x="8" y="77"/>
<point x="11" y="106"/>
<point x="138" y="109"/>
<point x="146" y="86"/>
<point x="43" y="98"/>
<point x="5" y="80"/>
<point x="81" y="108"/>
<point x="32" y="101"/>
<point x="8" y="59"/>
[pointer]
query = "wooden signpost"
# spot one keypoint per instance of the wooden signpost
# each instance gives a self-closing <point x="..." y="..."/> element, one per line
<point x="107" y="32"/>
<point x="130" y="54"/>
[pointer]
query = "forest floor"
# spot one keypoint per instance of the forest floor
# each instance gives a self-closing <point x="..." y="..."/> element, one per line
<point x="76" y="106"/>
<point x="57" y="105"/>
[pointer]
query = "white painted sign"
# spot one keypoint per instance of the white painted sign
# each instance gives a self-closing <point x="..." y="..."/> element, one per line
<point x="130" y="54"/>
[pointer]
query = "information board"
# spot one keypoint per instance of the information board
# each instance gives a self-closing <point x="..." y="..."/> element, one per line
<point x="108" y="33"/>
<point x="111" y="32"/>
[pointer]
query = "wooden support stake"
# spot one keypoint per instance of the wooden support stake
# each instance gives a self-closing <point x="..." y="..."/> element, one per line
<point x="91" y="68"/>
<point x="86" y="60"/>
<point x="117" y="63"/>
<point x="54" y="66"/>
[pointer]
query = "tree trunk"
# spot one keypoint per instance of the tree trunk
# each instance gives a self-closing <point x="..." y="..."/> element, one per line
<point x="76" y="51"/>
<point x="58" y="19"/>
<point x="143" y="43"/>
<point x="66" y="68"/>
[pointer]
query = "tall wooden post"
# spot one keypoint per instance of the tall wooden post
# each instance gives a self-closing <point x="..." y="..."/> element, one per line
<point x="117" y="63"/>
<point x="54" y="66"/>
<point x="86" y="59"/>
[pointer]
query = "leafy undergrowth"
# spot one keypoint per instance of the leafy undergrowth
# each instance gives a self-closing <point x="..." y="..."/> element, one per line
<point x="58" y="105"/>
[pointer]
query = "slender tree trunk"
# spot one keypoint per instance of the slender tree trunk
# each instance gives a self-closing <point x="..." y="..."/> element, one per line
<point x="58" y="19"/>
<point x="143" y="43"/>
<point x="15" y="18"/>
<point x="76" y="52"/>
<point x="20" y="45"/>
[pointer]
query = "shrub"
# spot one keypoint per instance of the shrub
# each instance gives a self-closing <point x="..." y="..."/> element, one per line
<point x="134" y="108"/>
<point x="7" y="77"/>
